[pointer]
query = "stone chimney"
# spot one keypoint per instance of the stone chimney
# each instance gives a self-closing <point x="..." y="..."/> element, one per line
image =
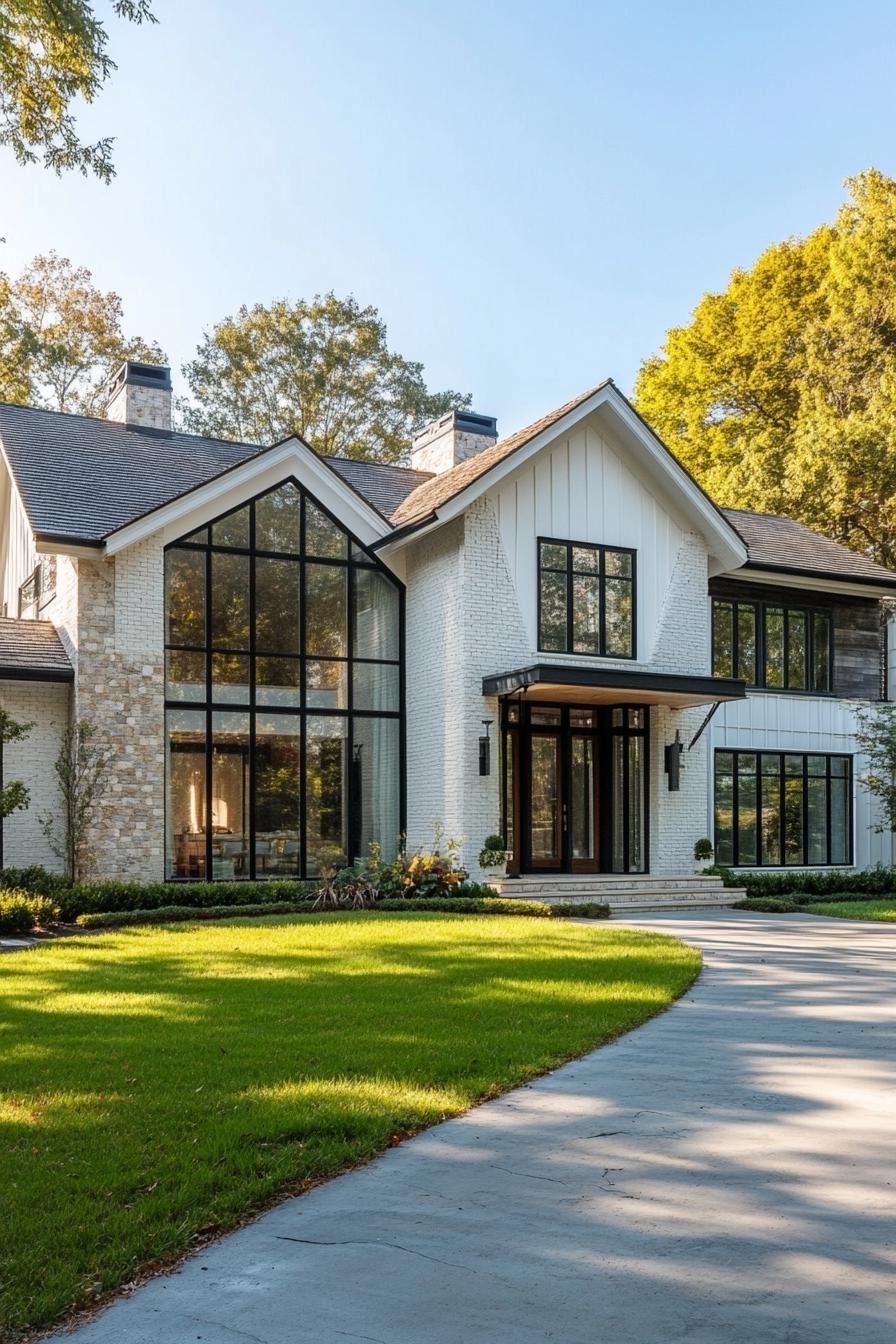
<point x="454" y="437"/>
<point x="140" y="394"/>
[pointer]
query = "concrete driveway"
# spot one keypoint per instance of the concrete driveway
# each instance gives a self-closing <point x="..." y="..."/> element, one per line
<point x="723" y="1175"/>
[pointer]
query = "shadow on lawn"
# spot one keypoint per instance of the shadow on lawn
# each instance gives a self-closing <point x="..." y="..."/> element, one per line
<point x="152" y="1094"/>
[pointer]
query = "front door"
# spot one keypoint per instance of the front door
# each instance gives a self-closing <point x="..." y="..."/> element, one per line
<point x="562" y="787"/>
<point x="574" y="795"/>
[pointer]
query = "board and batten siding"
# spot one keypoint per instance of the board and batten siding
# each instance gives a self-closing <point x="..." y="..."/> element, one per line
<point x="17" y="545"/>
<point x="771" y="722"/>
<point x="580" y="489"/>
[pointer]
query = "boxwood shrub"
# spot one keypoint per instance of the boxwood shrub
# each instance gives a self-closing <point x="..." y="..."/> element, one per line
<point x="22" y="911"/>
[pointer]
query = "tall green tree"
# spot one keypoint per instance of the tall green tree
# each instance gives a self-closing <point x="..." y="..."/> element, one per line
<point x="53" y="52"/>
<point x="780" y="393"/>
<point x="61" y="337"/>
<point x="322" y="369"/>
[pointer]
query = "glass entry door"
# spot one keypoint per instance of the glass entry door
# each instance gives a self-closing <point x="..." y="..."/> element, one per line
<point x="574" y="788"/>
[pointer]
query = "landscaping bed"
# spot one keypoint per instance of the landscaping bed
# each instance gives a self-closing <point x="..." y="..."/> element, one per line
<point x="160" y="1084"/>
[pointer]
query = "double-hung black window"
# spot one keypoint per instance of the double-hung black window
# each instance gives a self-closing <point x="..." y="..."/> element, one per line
<point x="777" y="646"/>
<point x="775" y="809"/>
<point x="586" y="599"/>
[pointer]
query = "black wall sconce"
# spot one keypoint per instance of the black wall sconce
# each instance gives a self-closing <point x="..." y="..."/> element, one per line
<point x="673" y="754"/>
<point x="485" y="749"/>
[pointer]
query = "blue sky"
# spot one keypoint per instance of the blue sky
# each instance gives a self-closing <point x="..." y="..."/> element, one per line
<point x="530" y="193"/>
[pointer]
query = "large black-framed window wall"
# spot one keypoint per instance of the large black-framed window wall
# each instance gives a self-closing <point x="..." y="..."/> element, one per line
<point x="586" y="598"/>
<point x="779" y="809"/>
<point x="776" y="646"/>
<point x="284" y="694"/>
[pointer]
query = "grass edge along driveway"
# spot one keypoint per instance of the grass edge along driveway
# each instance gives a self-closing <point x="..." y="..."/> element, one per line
<point x="881" y="910"/>
<point x="159" y="1084"/>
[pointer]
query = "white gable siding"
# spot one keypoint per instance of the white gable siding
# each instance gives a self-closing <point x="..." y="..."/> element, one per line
<point x="580" y="489"/>
<point x="19" y="554"/>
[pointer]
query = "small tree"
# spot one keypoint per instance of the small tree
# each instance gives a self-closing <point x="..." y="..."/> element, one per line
<point x="80" y="769"/>
<point x="876" y="737"/>
<point x="14" y="796"/>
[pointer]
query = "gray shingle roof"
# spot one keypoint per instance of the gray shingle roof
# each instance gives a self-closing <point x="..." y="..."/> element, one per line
<point x="782" y="544"/>
<point x="32" y="651"/>
<point x="82" y="478"/>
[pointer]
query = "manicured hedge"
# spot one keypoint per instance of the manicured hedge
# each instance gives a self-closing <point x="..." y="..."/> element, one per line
<point x="97" y="897"/>
<point x="580" y="910"/>
<point x="767" y="905"/>
<point x="457" y="905"/>
<point x="877" y="881"/>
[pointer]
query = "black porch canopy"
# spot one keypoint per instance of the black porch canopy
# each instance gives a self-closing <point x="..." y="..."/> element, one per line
<point x="560" y="682"/>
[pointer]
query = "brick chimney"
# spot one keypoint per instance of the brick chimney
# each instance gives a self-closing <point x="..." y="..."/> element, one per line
<point x="453" y="438"/>
<point x="140" y="394"/>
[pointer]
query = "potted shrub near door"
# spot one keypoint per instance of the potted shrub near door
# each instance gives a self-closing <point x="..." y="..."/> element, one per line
<point x="493" y="856"/>
<point x="703" y="855"/>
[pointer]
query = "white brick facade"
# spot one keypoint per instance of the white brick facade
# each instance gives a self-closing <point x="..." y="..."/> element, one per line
<point x="33" y="761"/>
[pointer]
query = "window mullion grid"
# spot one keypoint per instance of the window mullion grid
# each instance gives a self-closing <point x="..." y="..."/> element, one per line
<point x="209" y="739"/>
<point x="348" y="765"/>
<point x="303" y="718"/>
<point x="827" y="809"/>
<point x="805" y="796"/>
<point x="602" y="603"/>
<point x="252" y="656"/>
<point x="570" y="601"/>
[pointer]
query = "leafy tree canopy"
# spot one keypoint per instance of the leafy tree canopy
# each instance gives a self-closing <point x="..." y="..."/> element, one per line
<point x="780" y="393"/>
<point x="53" y="52"/>
<point x="61" y="338"/>
<point x="321" y="369"/>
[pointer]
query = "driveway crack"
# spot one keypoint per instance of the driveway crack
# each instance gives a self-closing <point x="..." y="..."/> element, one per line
<point x="393" y="1245"/>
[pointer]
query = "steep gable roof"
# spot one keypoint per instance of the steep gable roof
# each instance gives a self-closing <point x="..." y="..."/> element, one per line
<point x="782" y="544"/>
<point x="82" y="478"/>
<point x="435" y="492"/>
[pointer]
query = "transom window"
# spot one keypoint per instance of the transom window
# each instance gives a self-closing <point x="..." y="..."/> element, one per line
<point x="774" y="809"/>
<point x="586" y="599"/>
<point x="283" y="692"/>
<point x="780" y="647"/>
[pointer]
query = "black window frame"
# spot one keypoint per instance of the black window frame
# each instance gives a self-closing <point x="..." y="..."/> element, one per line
<point x="759" y="755"/>
<point x="761" y="607"/>
<point x="603" y="550"/>
<point x="356" y="557"/>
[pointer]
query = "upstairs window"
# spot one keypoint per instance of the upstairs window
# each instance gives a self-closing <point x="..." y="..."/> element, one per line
<point x="777" y="646"/>
<point x="38" y="588"/>
<point x="586" y="599"/>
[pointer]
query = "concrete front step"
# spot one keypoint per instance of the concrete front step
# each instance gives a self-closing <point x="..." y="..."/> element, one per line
<point x="625" y="893"/>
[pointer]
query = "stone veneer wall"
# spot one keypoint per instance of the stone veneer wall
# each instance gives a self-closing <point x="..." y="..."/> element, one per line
<point x="120" y="688"/>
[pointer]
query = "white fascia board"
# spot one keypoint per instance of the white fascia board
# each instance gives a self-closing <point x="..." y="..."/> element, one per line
<point x="812" y="583"/>
<point x="723" y="541"/>
<point x="263" y="472"/>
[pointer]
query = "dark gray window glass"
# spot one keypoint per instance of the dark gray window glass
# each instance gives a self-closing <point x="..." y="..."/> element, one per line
<point x="804" y="803"/>
<point x="322" y="536"/>
<point x="230" y="601"/>
<point x="724" y="808"/>
<point x="325" y="610"/>
<point x="774" y="647"/>
<point x="797" y="650"/>
<point x="746" y="643"/>
<point x="277" y="606"/>
<point x="821" y="657"/>
<point x="722" y="639"/>
<point x="232" y="530"/>
<point x="376" y="615"/>
<point x="185" y="597"/>
<point x="586" y="599"/>
<point x="277" y="516"/>
<point x="279" y="768"/>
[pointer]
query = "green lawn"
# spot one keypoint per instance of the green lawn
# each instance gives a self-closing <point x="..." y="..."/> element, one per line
<point x="883" y="910"/>
<point x="156" y="1084"/>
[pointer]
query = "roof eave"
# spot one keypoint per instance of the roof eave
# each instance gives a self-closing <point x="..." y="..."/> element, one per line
<point x="872" y="585"/>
